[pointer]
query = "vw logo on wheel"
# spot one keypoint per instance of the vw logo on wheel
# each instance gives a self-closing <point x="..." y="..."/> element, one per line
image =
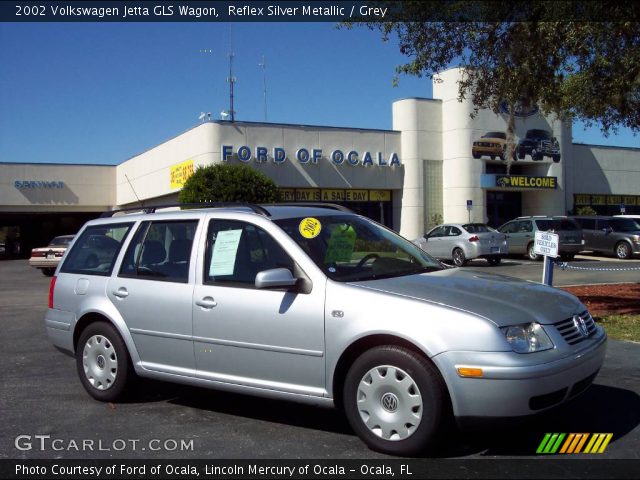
<point x="581" y="325"/>
<point x="389" y="402"/>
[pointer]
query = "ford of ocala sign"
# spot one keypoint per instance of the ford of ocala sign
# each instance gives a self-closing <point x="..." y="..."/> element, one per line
<point x="25" y="184"/>
<point x="309" y="156"/>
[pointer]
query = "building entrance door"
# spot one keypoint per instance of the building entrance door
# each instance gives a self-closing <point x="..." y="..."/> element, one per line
<point x="502" y="207"/>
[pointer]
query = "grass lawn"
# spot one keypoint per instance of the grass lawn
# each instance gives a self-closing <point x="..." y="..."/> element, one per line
<point x="621" y="327"/>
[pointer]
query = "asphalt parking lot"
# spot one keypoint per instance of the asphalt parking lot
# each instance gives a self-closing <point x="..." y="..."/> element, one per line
<point x="41" y="395"/>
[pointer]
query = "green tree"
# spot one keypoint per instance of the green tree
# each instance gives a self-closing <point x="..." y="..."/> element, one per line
<point x="577" y="60"/>
<point x="224" y="182"/>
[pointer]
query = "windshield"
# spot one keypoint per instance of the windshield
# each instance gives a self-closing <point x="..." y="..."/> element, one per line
<point x="60" y="241"/>
<point x="624" y="225"/>
<point x="539" y="134"/>
<point x="352" y="248"/>
<point x="501" y="135"/>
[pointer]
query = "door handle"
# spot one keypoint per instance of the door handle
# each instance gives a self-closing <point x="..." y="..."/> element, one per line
<point x="206" y="302"/>
<point x="121" y="293"/>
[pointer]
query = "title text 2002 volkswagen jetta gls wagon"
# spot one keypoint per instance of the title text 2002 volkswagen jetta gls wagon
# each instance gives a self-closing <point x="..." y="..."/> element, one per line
<point x="318" y="305"/>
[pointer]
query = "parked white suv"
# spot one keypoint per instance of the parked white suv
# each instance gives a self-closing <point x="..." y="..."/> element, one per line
<point x="316" y="305"/>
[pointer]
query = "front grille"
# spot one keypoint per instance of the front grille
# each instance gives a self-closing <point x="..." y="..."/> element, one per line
<point x="570" y="331"/>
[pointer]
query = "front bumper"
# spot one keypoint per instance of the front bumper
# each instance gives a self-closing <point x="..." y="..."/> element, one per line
<point x="514" y="391"/>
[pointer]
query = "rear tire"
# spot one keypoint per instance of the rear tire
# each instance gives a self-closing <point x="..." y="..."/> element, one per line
<point x="494" y="260"/>
<point x="459" y="258"/>
<point x="395" y="400"/>
<point x="623" y="251"/>
<point x="103" y="362"/>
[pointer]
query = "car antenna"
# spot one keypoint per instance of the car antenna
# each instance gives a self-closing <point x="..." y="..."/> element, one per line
<point x="134" y="190"/>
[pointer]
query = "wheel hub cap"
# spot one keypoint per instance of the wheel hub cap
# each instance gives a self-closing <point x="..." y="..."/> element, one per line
<point x="389" y="403"/>
<point x="99" y="361"/>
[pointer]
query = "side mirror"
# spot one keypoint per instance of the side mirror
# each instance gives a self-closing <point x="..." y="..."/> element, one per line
<point x="275" y="278"/>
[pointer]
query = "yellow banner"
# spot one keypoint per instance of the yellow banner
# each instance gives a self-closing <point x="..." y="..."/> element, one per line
<point x="179" y="173"/>
<point x="333" y="196"/>
<point x="357" y="195"/>
<point x="307" y="195"/>
<point x="628" y="200"/>
<point x="288" y="194"/>
<point x="380" y="195"/>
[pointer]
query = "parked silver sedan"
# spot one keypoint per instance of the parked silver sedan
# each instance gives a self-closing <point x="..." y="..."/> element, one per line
<point x="463" y="242"/>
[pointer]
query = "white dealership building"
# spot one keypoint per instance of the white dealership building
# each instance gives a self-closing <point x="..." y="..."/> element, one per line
<point x="433" y="165"/>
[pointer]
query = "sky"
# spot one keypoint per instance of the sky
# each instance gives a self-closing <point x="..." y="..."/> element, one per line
<point x="101" y="93"/>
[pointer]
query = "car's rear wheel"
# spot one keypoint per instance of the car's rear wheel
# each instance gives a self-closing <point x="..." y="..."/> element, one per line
<point x="48" y="272"/>
<point x="103" y="362"/>
<point x="395" y="400"/>
<point x="623" y="250"/>
<point x="494" y="260"/>
<point x="532" y="254"/>
<point x="459" y="258"/>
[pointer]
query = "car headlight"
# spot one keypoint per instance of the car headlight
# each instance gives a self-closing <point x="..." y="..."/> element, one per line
<point x="527" y="338"/>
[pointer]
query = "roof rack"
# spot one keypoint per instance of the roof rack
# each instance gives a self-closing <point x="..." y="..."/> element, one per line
<point x="331" y="206"/>
<point x="151" y="209"/>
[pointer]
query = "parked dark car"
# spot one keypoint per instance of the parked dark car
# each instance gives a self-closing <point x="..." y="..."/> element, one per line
<point x="521" y="234"/>
<point x="613" y="235"/>
<point x="539" y="144"/>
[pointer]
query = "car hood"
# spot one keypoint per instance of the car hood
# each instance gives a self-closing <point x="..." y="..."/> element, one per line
<point x="501" y="299"/>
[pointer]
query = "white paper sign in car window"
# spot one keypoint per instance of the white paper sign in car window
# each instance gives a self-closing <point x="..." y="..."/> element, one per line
<point x="224" y="252"/>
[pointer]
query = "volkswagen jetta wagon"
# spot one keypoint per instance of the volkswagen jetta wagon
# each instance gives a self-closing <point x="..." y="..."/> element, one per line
<point x="317" y="305"/>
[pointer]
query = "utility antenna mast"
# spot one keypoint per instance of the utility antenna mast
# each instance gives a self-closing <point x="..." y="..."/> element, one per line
<point x="263" y="65"/>
<point x="231" y="79"/>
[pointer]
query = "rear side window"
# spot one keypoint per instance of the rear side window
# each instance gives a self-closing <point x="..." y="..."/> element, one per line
<point x="160" y="251"/>
<point x="96" y="250"/>
<point x="556" y="225"/>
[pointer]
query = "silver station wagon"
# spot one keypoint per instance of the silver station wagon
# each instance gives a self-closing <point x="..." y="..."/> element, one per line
<point x="315" y="304"/>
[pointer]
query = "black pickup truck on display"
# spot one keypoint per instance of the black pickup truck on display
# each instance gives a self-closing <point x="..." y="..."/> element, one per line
<point x="539" y="144"/>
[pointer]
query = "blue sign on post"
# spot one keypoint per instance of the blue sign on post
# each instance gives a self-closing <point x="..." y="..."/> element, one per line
<point x="469" y="204"/>
<point x="622" y="209"/>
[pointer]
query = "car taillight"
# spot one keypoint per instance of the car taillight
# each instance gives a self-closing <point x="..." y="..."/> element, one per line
<point x="52" y="287"/>
<point x="37" y="254"/>
<point x="474" y="239"/>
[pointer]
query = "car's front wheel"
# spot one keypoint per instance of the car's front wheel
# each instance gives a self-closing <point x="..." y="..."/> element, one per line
<point x="395" y="400"/>
<point x="532" y="254"/>
<point x="102" y="361"/>
<point x="623" y="250"/>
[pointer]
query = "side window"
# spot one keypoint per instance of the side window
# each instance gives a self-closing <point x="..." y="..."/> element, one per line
<point x="525" y="226"/>
<point x="438" y="232"/>
<point x="587" y="223"/>
<point x="96" y="250"/>
<point x="160" y="251"/>
<point x="602" y="224"/>
<point x="237" y="251"/>
<point x="508" y="228"/>
<point x="454" y="232"/>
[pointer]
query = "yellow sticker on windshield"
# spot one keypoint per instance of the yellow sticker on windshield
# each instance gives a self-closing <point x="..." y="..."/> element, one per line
<point x="310" y="227"/>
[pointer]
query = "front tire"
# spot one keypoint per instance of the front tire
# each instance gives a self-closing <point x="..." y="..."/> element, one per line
<point x="395" y="400"/>
<point x="531" y="254"/>
<point x="459" y="258"/>
<point x="103" y="362"/>
<point x="623" y="251"/>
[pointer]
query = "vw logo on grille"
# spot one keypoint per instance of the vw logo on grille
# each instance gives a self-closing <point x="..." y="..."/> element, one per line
<point x="389" y="402"/>
<point x="581" y="325"/>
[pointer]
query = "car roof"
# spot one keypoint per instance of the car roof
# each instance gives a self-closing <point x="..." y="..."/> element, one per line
<point x="270" y="212"/>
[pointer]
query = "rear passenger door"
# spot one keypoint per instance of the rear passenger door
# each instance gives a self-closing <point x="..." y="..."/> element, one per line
<point x="153" y="292"/>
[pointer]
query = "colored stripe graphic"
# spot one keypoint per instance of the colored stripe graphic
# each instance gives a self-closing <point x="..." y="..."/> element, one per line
<point x="574" y="443"/>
